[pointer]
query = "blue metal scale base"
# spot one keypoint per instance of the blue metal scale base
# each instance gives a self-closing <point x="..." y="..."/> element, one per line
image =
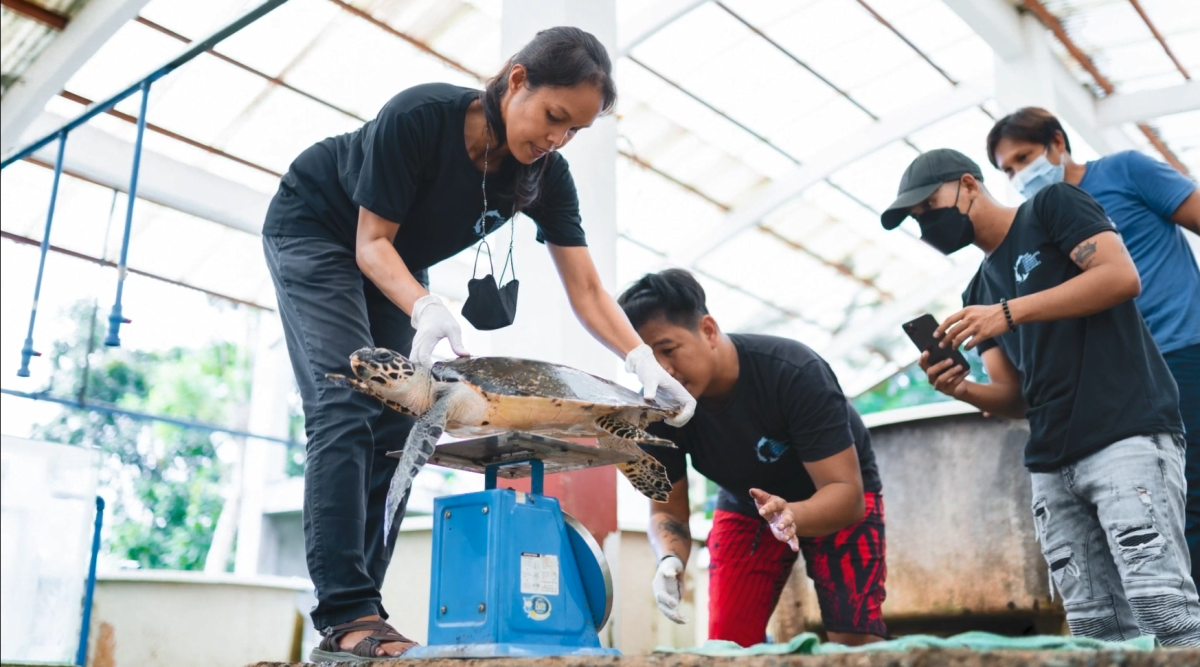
<point x="513" y="575"/>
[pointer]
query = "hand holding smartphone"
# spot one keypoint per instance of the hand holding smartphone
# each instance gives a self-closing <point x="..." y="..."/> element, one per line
<point x="920" y="332"/>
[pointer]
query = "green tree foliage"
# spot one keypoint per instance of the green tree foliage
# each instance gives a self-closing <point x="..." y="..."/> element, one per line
<point x="163" y="481"/>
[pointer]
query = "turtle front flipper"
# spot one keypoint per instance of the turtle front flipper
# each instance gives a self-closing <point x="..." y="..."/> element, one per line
<point x="619" y="428"/>
<point x="366" y="388"/>
<point x="417" y="450"/>
<point x="645" y="473"/>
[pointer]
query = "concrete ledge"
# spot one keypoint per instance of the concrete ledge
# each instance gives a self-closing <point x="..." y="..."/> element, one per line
<point x="918" y="658"/>
<point x="195" y="577"/>
<point x="918" y="413"/>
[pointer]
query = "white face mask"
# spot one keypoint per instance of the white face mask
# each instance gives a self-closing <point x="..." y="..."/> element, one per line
<point x="1037" y="175"/>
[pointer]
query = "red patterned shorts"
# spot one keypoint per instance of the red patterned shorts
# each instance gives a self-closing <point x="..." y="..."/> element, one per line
<point x="749" y="568"/>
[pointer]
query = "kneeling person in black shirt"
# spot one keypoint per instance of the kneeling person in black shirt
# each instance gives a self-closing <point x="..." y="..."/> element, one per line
<point x="793" y="460"/>
<point x="1051" y="310"/>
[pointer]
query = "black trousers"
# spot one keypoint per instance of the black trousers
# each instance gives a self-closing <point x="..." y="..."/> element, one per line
<point x="329" y="310"/>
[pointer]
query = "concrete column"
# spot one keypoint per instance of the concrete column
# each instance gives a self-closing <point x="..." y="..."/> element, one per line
<point x="1034" y="76"/>
<point x="545" y="326"/>
<point x="264" y="460"/>
<point x="1026" y="79"/>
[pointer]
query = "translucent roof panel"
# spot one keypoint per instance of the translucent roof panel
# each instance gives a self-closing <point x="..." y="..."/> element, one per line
<point x="727" y="104"/>
<point x="1184" y="130"/>
<point x="1120" y="42"/>
<point x="164" y="242"/>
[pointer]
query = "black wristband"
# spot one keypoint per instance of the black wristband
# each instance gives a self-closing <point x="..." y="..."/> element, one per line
<point x="1012" y="326"/>
<point x="660" y="560"/>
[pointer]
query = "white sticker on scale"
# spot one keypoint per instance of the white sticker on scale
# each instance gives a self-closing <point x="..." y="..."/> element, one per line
<point x="539" y="574"/>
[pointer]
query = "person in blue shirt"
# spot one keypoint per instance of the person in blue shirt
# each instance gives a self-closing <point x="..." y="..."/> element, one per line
<point x="1151" y="204"/>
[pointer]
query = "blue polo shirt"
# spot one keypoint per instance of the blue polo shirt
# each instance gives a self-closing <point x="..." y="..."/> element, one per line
<point x="1140" y="194"/>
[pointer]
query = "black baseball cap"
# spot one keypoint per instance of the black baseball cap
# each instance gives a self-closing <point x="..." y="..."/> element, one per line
<point x="923" y="176"/>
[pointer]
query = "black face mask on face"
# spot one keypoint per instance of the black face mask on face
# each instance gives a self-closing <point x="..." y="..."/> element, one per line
<point x="947" y="229"/>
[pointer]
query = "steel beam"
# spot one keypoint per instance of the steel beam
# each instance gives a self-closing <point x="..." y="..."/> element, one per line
<point x="143" y="83"/>
<point x="104" y="159"/>
<point x="82" y="37"/>
<point x="822" y="165"/>
<point x="1147" y="104"/>
<point x="650" y="22"/>
<point x="109" y="264"/>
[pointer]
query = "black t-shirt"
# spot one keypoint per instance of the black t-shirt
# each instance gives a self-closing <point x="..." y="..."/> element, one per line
<point x="410" y="165"/>
<point x="1089" y="381"/>
<point x="787" y="408"/>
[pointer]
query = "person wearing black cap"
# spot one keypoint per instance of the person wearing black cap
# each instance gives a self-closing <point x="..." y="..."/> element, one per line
<point x="1051" y="311"/>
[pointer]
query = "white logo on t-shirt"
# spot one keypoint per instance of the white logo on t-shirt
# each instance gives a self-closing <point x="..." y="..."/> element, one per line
<point x="1025" y="265"/>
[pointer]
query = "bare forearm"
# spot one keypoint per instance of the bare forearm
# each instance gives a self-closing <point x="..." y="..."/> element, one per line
<point x="1088" y="293"/>
<point x="382" y="265"/>
<point x="997" y="399"/>
<point x="670" y="535"/>
<point x="603" y="318"/>
<point x="1188" y="213"/>
<point x="832" y="508"/>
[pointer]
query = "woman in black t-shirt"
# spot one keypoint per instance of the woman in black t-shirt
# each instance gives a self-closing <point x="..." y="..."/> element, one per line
<point x="357" y="220"/>
<point x="793" y="461"/>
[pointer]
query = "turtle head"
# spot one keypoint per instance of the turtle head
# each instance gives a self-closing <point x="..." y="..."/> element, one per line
<point x="392" y="377"/>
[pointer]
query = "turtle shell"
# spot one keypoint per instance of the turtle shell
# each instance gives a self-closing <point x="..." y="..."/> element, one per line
<point x="507" y="376"/>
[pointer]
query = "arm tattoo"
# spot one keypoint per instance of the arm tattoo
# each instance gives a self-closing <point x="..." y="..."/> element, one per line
<point x="670" y="530"/>
<point x="1084" y="253"/>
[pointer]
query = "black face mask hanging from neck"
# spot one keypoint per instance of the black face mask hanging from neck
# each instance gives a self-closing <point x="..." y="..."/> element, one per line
<point x="947" y="229"/>
<point x="488" y="306"/>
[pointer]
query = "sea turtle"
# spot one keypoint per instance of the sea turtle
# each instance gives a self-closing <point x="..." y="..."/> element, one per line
<point x="474" y="396"/>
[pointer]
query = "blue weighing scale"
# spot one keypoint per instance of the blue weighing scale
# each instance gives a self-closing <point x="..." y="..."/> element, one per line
<point x="513" y="575"/>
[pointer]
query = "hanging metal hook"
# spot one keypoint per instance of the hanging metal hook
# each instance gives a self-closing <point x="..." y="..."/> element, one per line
<point x="116" y="318"/>
<point x="27" y="351"/>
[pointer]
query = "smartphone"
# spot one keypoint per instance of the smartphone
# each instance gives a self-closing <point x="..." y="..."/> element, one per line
<point x="920" y="332"/>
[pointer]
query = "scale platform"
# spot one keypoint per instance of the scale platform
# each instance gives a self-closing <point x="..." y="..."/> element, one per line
<point x="514" y="450"/>
<point x="512" y="574"/>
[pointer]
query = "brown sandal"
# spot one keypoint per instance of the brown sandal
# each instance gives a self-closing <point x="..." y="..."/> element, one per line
<point x="330" y="649"/>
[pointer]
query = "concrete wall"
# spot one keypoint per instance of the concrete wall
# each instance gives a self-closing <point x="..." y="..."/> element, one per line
<point x="186" y="619"/>
<point x="961" y="551"/>
<point x="959" y="525"/>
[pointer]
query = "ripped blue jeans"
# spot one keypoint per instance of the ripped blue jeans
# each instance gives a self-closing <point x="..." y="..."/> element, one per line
<point x="1111" y="529"/>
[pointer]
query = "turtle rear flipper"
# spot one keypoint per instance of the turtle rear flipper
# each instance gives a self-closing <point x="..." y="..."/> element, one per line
<point x="417" y="450"/>
<point x="645" y="473"/>
<point x="619" y="428"/>
<point x="648" y="476"/>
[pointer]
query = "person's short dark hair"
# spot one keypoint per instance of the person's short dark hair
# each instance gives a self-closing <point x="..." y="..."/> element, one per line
<point x="1032" y="124"/>
<point x="673" y="295"/>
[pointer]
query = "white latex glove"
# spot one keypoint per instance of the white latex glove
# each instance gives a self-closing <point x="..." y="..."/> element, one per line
<point x="641" y="361"/>
<point x="668" y="587"/>
<point x="433" y="322"/>
<point x="778" y="515"/>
